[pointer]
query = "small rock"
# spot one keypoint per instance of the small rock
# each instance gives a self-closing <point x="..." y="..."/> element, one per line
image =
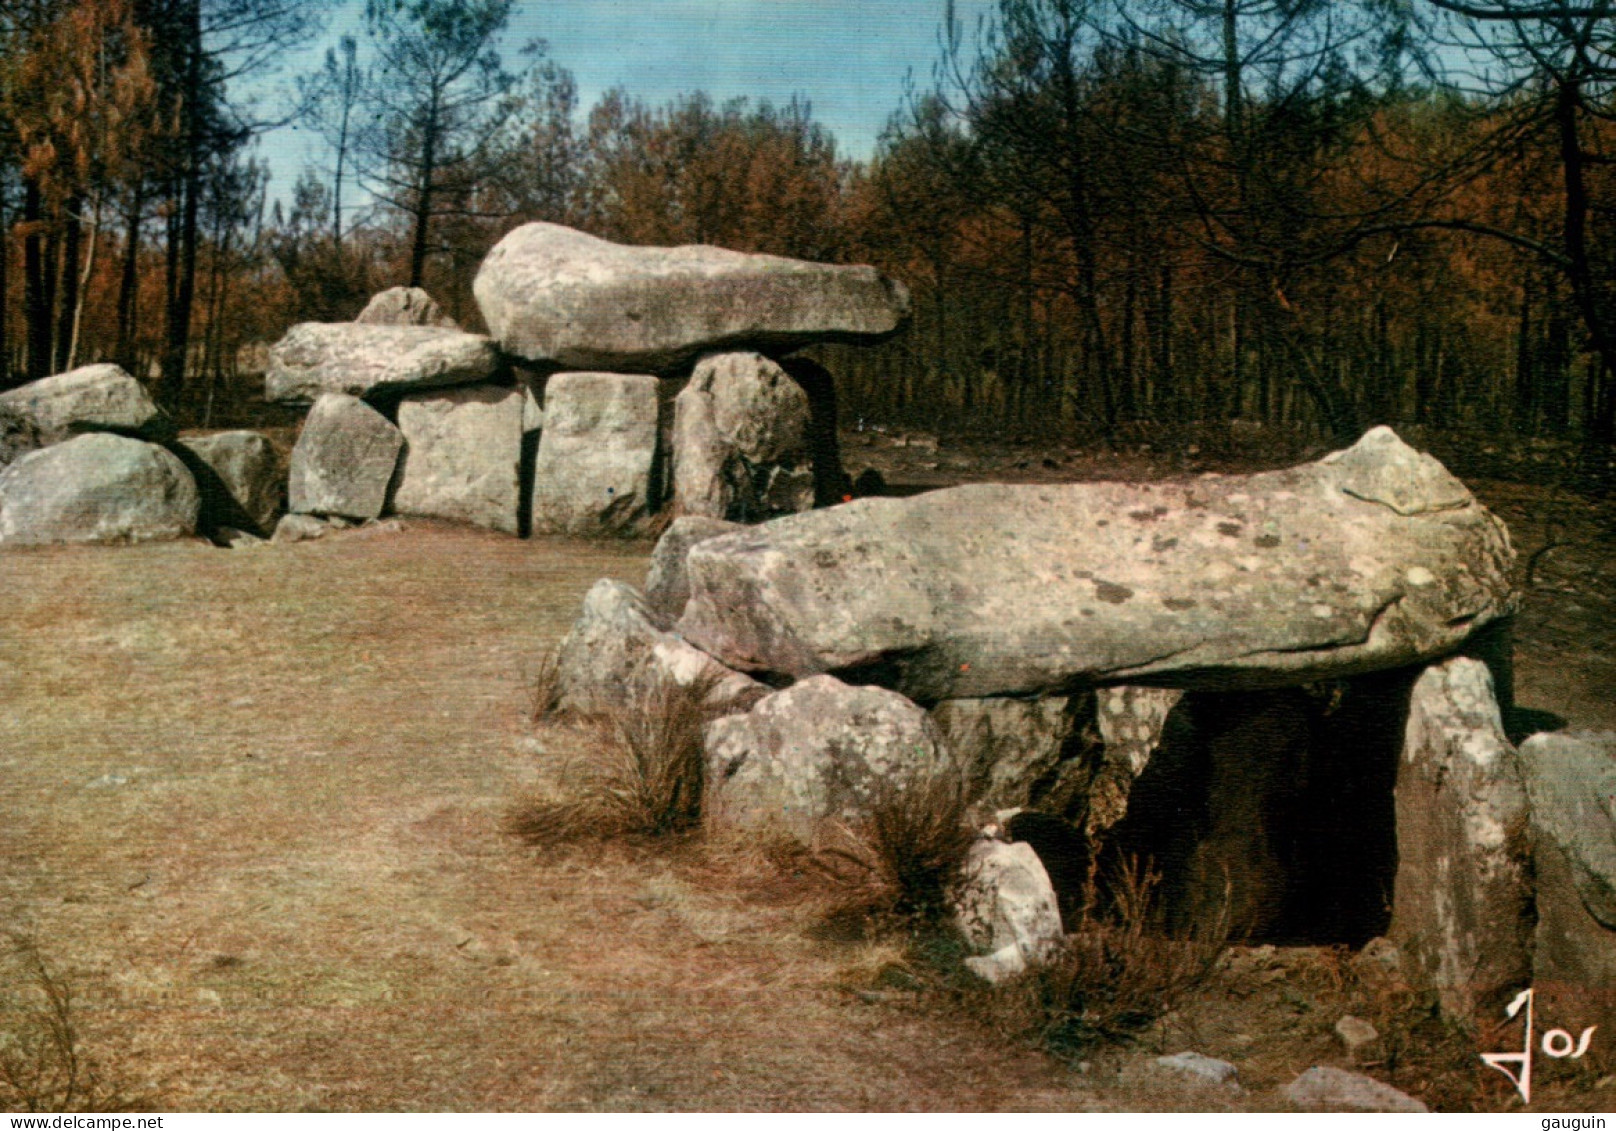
<point x="1199" y="1067"/>
<point x="1000" y="966"/>
<point x="232" y="539"/>
<point x="1338" y="1088"/>
<point x="1358" y="1035"/>
<point x="1005" y="899"/>
<point x="300" y="528"/>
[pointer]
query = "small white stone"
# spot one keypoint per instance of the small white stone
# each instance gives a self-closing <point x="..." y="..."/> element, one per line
<point x="1420" y="577"/>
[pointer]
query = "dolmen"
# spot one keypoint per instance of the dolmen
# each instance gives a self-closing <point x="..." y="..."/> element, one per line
<point x="616" y="385"/>
<point x="1286" y="692"/>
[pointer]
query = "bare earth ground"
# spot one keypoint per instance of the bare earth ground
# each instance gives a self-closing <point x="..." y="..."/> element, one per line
<point x="250" y="805"/>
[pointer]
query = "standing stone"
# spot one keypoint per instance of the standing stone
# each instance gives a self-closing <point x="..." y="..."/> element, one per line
<point x="1011" y="747"/>
<point x="667" y="585"/>
<point x="597" y="454"/>
<point x="240" y="478"/>
<point x="815" y="751"/>
<point x="616" y="659"/>
<point x="97" y="488"/>
<point x="462" y="456"/>
<point x="94" y="398"/>
<point x="1131" y="723"/>
<point x="740" y="441"/>
<point x="374" y="360"/>
<point x="1462" y="910"/>
<point x="552" y="294"/>
<point x="1374" y="557"/>
<point x="404" y="306"/>
<point x="344" y="460"/>
<point x="1571" y="781"/>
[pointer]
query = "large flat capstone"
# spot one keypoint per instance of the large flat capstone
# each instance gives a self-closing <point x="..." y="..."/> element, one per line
<point x="1373" y="557"/>
<point x="93" y="398"/>
<point x="369" y="359"/>
<point x="556" y="295"/>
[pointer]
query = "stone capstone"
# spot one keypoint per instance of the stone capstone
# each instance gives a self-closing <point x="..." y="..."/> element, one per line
<point x="95" y="398"/>
<point x="555" y="295"/>
<point x="369" y="360"/>
<point x="740" y="441"/>
<point x="462" y="456"/>
<point x="404" y="306"/>
<point x="97" y="488"/>
<point x="1462" y="905"/>
<point x="616" y="658"/>
<point x="240" y="477"/>
<point x="596" y="464"/>
<point x="667" y="585"/>
<point x="19" y="434"/>
<point x="1220" y="582"/>
<point x="818" y="750"/>
<point x="344" y="460"/>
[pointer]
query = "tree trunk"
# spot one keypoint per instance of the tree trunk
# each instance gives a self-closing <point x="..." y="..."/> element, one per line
<point x="37" y="291"/>
<point x="184" y="289"/>
<point x="72" y="237"/>
<point x="84" y="284"/>
<point x="129" y="283"/>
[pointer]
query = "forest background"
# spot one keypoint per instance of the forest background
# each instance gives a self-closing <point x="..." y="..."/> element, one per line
<point x="1116" y="216"/>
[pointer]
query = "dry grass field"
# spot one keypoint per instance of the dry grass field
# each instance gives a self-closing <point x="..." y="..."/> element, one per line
<point x="250" y="808"/>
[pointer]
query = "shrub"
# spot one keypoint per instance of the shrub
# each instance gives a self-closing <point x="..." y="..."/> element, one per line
<point x="544" y="687"/>
<point x="43" y="1064"/>
<point x="902" y="858"/>
<point x="647" y="779"/>
<point x="1117" y="972"/>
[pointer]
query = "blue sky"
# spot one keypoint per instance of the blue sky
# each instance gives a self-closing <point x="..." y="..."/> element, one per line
<point x="847" y="57"/>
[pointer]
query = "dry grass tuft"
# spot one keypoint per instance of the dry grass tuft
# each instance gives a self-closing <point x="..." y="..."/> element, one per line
<point x="647" y="780"/>
<point x="901" y="859"/>
<point x="43" y="1064"/>
<point x="1117" y="972"/>
<point x="544" y="686"/>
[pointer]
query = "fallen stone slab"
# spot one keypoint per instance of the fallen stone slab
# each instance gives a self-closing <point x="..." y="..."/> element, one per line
<point x="344" y="459"/>
<point x="1373" y="557"/>
<point x="555" y="295"/>
<point x="1337" y="1088"/>
<point x="596" y="463"/>
<point x="1004" y="898"/>
<point x="740" y="441"/>
<point x="462" y="456"/>
<point x="240" y="477"/>
<point x="667" y="585"/>
<point x="818" y="750"/>
<point x="97" y="488"/>
<point x="616" y="659"/>
<point x="374" y="360"/>
<point x="404" y="306"/>
<point x="94" y="398"/>
<point x="1462" y="909"/>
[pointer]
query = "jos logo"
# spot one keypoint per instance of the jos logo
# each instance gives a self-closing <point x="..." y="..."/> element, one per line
<point x="1557" y="1043"/>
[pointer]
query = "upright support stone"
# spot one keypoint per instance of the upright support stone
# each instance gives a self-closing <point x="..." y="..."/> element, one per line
<point x="463" y="455"/>
<point x="596" y="466"/>
<point x="344" y="459"/>
<point x="1462" y="909"/>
